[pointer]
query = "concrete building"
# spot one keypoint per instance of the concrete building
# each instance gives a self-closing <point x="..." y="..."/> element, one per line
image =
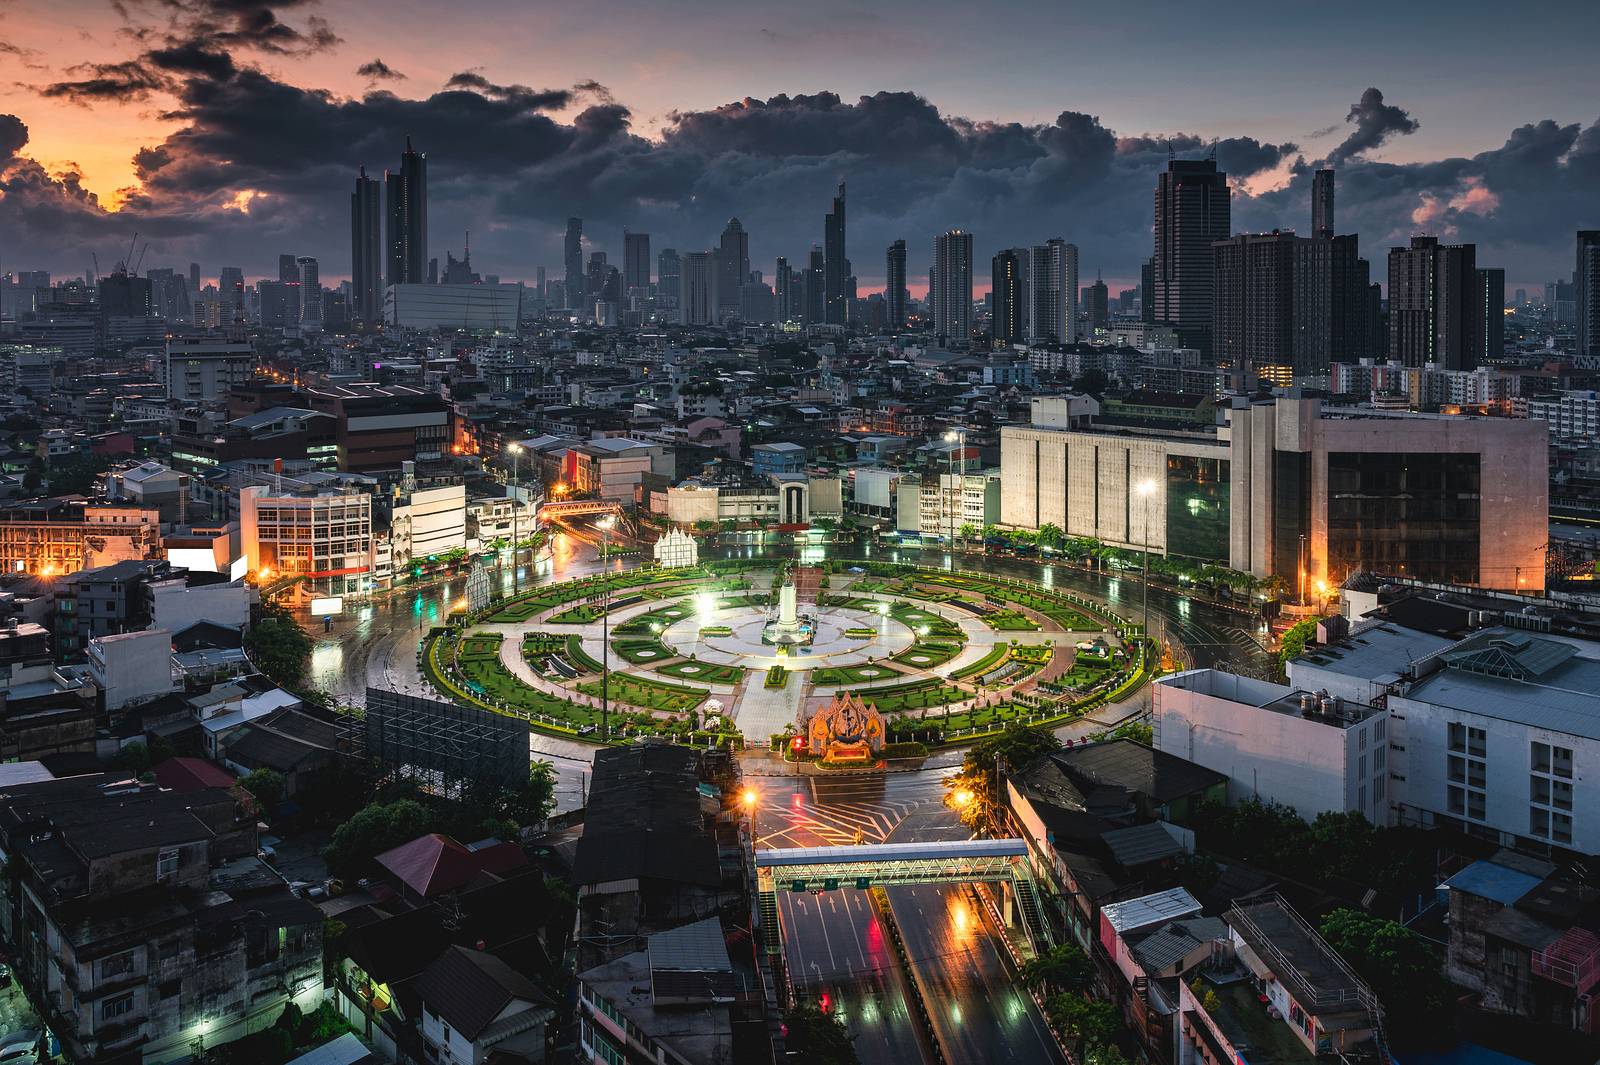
<point x="325" y="535"/>
<point x="477" y="308"/>
<point x="1277" y="743"/>
<point x="431" y="522"/>
<point x="132" y="667"/>
<point x="1192" y="211"/>
<point x="1289" y="487"/>
<point x="946" y="502"/>
<point x="950" y="286"/>
<point x="615" y="468"/>
<point x="203" y="371"/>
<point x="52" y="537"/>
<point x="767" y="460"/>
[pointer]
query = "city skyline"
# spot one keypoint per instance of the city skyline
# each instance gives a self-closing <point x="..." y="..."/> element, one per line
<point x="247" y="139"/>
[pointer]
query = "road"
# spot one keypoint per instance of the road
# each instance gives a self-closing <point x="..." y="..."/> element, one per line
<point x="833" y="944"/>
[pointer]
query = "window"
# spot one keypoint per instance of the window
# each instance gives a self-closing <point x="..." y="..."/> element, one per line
<point x="1540" y="754"/>
<point x="1561" y="761"/>
<point x="116" y="965"/>
<point x="1458" y="769"/>
<point x="1476" y="803"/>
<point x="1458" y="737"/>
<point x="1539" y="822"/>
<point x="1539" y="789"/>
<point x="1561" y="828"/>
<point x="167" y="863"/>
<point x="1561" y="794"/>
<point x="118" y="1006"/>
<point x="1457" y="798"/>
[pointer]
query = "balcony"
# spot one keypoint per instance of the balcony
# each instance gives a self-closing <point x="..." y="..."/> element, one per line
<point x="1572" y="960"/>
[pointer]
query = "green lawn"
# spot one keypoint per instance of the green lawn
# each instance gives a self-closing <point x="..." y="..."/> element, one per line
<point x="858" y="674"/>
<point x="1010" y="621"/>
<point x="654" y="621"/>
<point x="578" y="657"/>
<point x="991" y="658"/>
<point x="708" y="672"/>
<point x="900" y="698"/>
<point x="642" y="651"/>
<point x="581" y="614"/>
<point x="925" y="654"/>
<point x="650" y="694"/>
<point x="777" y="677"/>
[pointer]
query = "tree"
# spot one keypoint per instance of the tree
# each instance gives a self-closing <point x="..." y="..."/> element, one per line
<point x="1106" y="1054"/>
<point x="266" y="785"/>
<point x="1049" y="535"/>
<point x="972" y="791"/>
<point x="1063" y="967"/>
<point x="1089" y="1022"/>
<point x="1401" y="967"/>
<point x="817" y="1038"/>
<point x="278" y="646"/>
<point x="1294" y="641"/>
<point x="374" y="829"/>
<point x="532" y="802"/>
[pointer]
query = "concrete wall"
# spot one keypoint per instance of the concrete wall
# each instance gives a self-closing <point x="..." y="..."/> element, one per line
<point x="132" y="667"/>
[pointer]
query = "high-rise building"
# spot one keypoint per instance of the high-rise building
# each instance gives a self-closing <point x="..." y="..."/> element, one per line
<point x="1322" y="204"/>
<point x="813" y="289"/>
<point x="1192" y="212"/>
<point x="1147" y="291"/>
<point x="194" y="282"/>
<point x="366" y="249"/>
<point x="1253" y="306"/>
<point x="1491" y="302"/>
<point x="835" y="265"/>
<point x="1050" y="310"/>
<point x="1586" y="286"/>
<point x="894" y="288"/>
<point x="635" y="261"/>
<point x="1097" y="305"/>
<point x="1008" y="293"/>
<point x="310" y="294"/>
<point x="288" y="269"/>
<point x="697" y="305"/>
<point x="1330" y="304"/>
<point x="572" y="259"/>
<point x="668" y="274"/>
<point x="950" y="286"/>
<point x="407" y="235"/>
<point x="733" y="268"/>
<point x="1433" y="304"/>
<point x="783" y="290"/>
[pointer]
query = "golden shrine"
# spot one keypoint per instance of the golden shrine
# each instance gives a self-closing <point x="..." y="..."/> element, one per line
<point x="846" y="730"/>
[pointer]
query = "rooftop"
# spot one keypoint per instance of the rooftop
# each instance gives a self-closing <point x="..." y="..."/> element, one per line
<point x="1130" y="916"/>
<point x="1313" y="972"/>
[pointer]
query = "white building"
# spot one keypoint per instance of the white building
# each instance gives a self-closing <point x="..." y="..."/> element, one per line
<point x="431" y="522"/>
<point x="476" y="307"/>
<point x="325" y="536"/>
<point x="203" y="371"/>
<point x="947" y="501"/>
<point x="132" y="667"/>
<point x="1276" y="743"/>
<point x="676" y="550"/>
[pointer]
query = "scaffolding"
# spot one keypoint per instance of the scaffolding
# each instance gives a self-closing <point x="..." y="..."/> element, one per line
<point x="445" y="743"/>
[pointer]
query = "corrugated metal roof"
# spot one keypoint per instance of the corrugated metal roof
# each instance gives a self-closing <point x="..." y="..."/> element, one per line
<point x="1150" y="909"/>
<point x="1490" y="881"/>
<point x="1142" y="843"/>
<point x="697" y="947"/>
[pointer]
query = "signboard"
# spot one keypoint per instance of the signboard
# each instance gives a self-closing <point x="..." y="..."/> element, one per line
<point x="327" y="606"/>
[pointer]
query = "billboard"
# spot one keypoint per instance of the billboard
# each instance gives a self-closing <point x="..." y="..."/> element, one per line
<point x="444" y="741"/>
<point x="323" y="607"/>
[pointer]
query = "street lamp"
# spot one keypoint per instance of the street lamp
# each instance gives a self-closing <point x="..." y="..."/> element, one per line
<point x="959" y="438"/>
<point x="604" y="525"/>
<point x="1145" y="489"/>
<point x="516" y="464"/>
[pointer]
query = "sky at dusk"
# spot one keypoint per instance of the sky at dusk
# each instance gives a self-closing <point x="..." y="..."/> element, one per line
<point x="228" y="131"/>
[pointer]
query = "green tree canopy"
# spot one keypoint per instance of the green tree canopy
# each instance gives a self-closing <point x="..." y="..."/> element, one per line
<point x="817" y="1038"/>
<point x="1294" y="641"/>
<point x="266" y="785"/>
<point x="1402" y="968"/>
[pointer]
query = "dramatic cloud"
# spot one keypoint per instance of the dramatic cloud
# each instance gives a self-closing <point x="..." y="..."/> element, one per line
<point x="378" y="70"/>
<point x="257" y="166"/>
<point x="1375" y="123"/>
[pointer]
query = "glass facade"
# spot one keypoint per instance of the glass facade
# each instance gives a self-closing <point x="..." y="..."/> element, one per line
<point x="1291" y="513"/>
<point x="1197" y="508"/>
<point x="1412" y="514"/>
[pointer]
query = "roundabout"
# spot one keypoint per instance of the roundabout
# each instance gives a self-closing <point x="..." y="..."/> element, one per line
<point x="737" y="652"/>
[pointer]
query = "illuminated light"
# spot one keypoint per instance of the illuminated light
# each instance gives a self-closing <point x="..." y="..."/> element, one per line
<point x="749" y="798"/>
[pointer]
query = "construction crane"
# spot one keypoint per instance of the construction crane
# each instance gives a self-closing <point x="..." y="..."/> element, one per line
<point x="140" y="263"/>
<point x="96" y="259"/>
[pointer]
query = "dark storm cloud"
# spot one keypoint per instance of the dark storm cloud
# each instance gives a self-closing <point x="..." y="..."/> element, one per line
<point x="258" y="166"/>
<point x="378" y="70"/>
<point x="1376" y="122"/>
<point x="131" y="79"/>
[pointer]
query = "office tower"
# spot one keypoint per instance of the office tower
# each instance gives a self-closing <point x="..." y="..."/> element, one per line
<point x="407" y="237"/>
<point x="782" y="290"/>
<point x="835" y="267"/>
<point x="573" y="260"/>
<point x="1520" y="298"/>
<point x="1147" y="291"/>
<point x="1192" y="212"/>
<point x="668" y="272"/>
<point x="733" y="267"/>
<point x="1322" y="204"/>
<point x="1008" y="293"/>
<point x="230" y="279"/>
<point x="1050" y="308"/>
<point x="894" y="289"/>
<point x="1490" y="284"/>
<point x="1252" y="321"/>
<point x="366" y="250"/>
<point x="1586" y="286"/>
<point x="310" y="294"/>
<point x="288" y="269"/>
<point x="635" y="261"/>
<point x="950" y="286"/>
<point x="813" y="287"/>
<point x="538" y="284"/>
<point x="699" y="281"/>
<point x="433" y="271"/>
<point x="594" y="280"/>
<point x="1330" y="304"/>
<point x="1433" y="304"/>
<point x="194" y="282"/>
<point x="1097" y="305"/>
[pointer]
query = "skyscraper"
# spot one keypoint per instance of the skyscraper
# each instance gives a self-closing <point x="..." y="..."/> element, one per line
<point x="310" y="294"/>
<point x="1098" y="305"/>
<point x="366" y="249"/>
<point x="408" y="218"/>
<point x="1008" y="294"/>
<point x="782" y="290"/>
<point x="894" y="289"/>
<point x="950" y="286"/>
<point x="1253" y="305"/>
<point x="835" y="265"/>
<point x="813" y="289"/>
<point x="1586" y="283"/>
<point x="573" y="260"/>
<point x="1050" y="306"/>
<point x="699" y="282"/>
<point x="1322" y="204"/>
<point x="635" y="260"/>
<point x="1330" y="304"/>
<point x="668" y="273"/>
<point x="1434" y="306"/>
<point x="733" y="268"/>
<point x="1192" y="211"/>
<point x="1491" y="287"/>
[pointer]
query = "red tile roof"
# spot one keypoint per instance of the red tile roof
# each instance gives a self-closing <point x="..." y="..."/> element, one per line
<point x="191" y="774"/>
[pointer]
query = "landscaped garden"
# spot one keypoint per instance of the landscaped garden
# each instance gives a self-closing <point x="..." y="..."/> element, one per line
<point x="707" y="672"/>
<point x="917" y="695"/>
<point x="833" y="676"/>
<point x="647" y="693"/>
<point x="1010" y="621"/>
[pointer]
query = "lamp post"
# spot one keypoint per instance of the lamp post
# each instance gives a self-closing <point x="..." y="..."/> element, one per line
<point x="604" y="525"/>
<point x="1145" y="489"/>
<point x="959" y="438"/>
<point x="516" y="465"/>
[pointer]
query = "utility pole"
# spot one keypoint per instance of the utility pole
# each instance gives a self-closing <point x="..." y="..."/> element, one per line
<point x="604" y="525"/>
<point x="516" y="506"/>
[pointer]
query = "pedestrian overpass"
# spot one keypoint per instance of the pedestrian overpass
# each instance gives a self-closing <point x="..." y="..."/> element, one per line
<point x="875" y="865"/>
<point x="577" y="508"/>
